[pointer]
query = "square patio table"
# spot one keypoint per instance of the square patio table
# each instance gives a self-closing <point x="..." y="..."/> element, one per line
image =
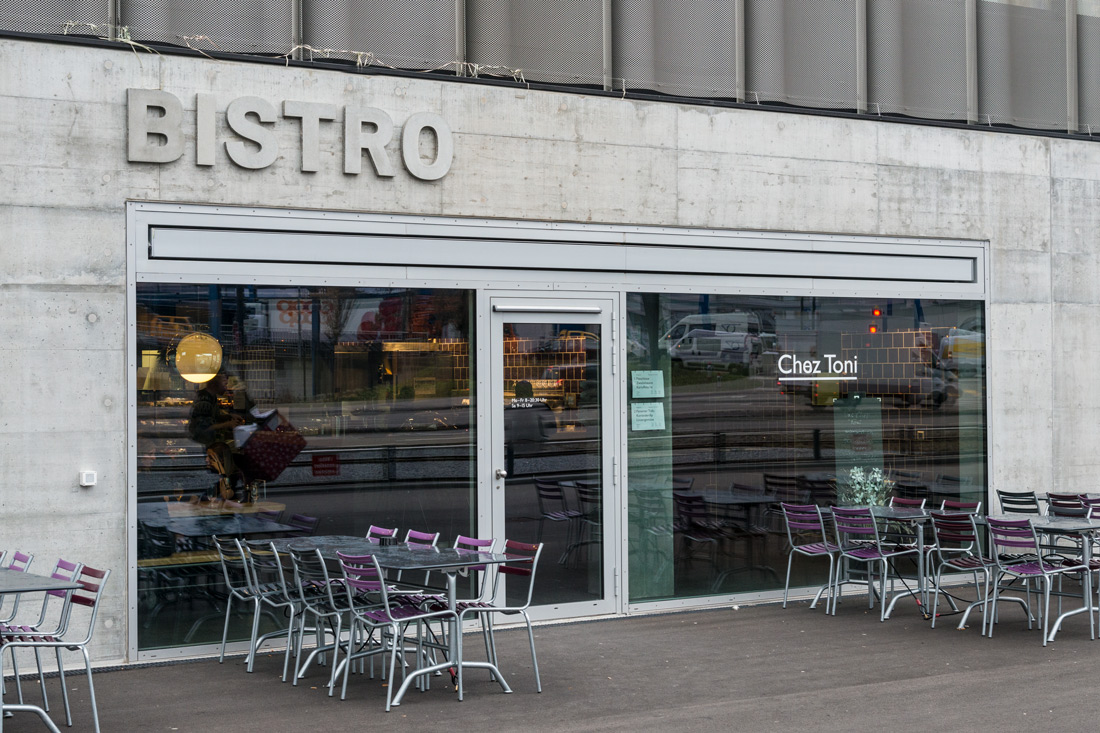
<point x="451" y="561"/>
<point x="1083" y="527"/>
<point x="14" y="581"/>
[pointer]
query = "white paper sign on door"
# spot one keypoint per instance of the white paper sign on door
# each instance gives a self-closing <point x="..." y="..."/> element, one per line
<point x="647" y="416"/>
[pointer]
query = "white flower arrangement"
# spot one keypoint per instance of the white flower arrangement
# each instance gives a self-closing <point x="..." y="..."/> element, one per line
<point x="864" y="489"/>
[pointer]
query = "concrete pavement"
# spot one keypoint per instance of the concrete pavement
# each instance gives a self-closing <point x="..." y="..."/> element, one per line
<point x="752" y="668"/>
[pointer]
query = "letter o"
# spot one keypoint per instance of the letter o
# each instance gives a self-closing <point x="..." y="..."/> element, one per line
<point x="410" y="146"/>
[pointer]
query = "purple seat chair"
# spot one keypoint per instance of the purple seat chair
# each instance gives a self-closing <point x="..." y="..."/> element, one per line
<point x="860" y="541"/>
<point x="808" y="536"/>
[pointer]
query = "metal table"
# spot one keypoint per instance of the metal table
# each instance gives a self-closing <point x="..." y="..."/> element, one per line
<point x="450" y="561"/>
<point x="14" y="581"/>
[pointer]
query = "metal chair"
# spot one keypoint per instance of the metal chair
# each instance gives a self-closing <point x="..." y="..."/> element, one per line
<point x="267" y="578"/>
<point x="522" y="564"/>
<point x="806" y="522"/>
<point x="377" y="534"/>
<point x="859" y="540"/>
<point x="359" y="575"/>
<point x="1019" y="534"/>
<point x="554" y="507"/>
<point x="20" y="562"/>
<point x="315" y="589"/>
<point x="1018" y="502"/>
<point x="1066" y="505"/>
<point x="240" y="586"/>
<point x="88" y="596"/>
<point x="63" y="570"/>
<point x="957" y="549"/>
<point x="961" y="507"/>
<point x="304" y="526"/>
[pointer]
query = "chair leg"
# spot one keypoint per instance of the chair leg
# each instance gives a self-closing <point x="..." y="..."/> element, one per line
<point x="534" y="659"/>
<point x="64" y="691"/>
<point x="41" y="680"/>
<point x="225" y="628"/>
<point x="91" y="686"/>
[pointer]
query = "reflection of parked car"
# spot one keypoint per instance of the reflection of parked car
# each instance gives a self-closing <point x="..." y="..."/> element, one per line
<point x="962" y="350"/>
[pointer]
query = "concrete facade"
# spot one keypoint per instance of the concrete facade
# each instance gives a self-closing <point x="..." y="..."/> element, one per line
<point x="519" y="154"/>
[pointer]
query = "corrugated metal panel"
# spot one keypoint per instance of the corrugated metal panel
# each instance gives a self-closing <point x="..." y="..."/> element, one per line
<point x="916" y="58"/>
<point x="685" y="48"/>
<point x="1022" y="64"/>
<point x="1088" y="73"/>
<point x="234" y="26"/>
<point x="556" y="41"/>
<point x="75" y="17"/>
<point x="407" y="34"/>
<point x="801" y="51"/>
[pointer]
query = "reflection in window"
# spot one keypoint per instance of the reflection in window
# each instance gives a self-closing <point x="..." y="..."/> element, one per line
<point x="775" y="399"/>
<point x="376" y="384"/>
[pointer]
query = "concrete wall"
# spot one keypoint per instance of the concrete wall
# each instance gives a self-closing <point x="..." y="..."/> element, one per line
<point x="518" y="154"/>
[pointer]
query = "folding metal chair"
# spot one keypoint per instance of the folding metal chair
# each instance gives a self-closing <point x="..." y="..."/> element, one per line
<point x="860" y="541"/>
<point x="807" y="536"/>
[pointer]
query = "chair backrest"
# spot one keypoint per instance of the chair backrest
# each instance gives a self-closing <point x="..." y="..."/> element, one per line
<point x="425" y="539"/>
<point x="523" y="560"/>
<point x="312" y="580"/>
<point x="20" y="561"/>
<point x="803" y="519"/>
<point x="473" y="543"/>
<point x="271" y="515"/>
<point x="691" y="510"/>
<point x="911" y="490"/>
<point x="551" y="496"/>
<point x="682" y="483"/>
<point x="1018" y="536"/>
<point x="1066" y="505"/>
<point x="854" y="524"/>
<point x="305" y="526"/>
<point x="589" y="499"/>
<point x="278" y="563"/>
<point x="1092" y="504"/>
<point x="821" y="492"/>
<point x="376" y="533"/>
<point x="1018" y="502"/>
<point x="961" y="507"/>
<point x="361" y="574"/>
<point x="261" y="563"/>
<point x="903" y="503"/>
<point x="234" y="564"/>
<point x="953" y="533"/>
<point x="785" y="488"/>
<point x="87" y="595"/>
<point x="63" y="570"/>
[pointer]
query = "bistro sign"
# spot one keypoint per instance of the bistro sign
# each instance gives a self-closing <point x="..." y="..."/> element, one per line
<point x="155" y="133"/>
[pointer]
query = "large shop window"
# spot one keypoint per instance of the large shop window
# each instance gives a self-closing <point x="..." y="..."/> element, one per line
<point x="269" y="412"/>
<point x="739" y="402"/>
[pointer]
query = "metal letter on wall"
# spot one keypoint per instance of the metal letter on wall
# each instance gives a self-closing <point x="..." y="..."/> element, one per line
<point x="236" y="115"/>
<point x="311" y="114"/>
<point x="410" y="146"/>
<point x="140" y="126"/>
<point x="355" y="140"/>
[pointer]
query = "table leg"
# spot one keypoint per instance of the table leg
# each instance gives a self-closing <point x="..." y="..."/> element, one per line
<point x="454" y="651"/>
<point x="1086" y="589"/>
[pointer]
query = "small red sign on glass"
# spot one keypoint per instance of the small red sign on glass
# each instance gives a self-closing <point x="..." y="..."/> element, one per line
<point x="326" y="464"/>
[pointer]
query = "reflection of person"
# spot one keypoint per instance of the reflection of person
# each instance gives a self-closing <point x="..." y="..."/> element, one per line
<point x="526" y="422"/>
<point x="212" y="425"/>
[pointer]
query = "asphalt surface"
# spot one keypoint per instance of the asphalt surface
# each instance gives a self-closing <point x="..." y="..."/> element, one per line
<point x="748" y="668"/>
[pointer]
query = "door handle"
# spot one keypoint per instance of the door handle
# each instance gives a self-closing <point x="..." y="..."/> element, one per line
<point x="501" y="473"/>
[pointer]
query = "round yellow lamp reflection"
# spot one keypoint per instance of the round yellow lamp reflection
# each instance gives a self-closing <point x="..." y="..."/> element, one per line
<point x="198" y="357"/>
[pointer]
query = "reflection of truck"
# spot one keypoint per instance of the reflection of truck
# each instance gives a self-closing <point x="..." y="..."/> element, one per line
<point x="742" y="322"/>
<point x="699" y="349"/>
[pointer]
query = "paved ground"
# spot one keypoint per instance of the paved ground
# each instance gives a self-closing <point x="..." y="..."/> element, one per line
<point x="753" y="668"/>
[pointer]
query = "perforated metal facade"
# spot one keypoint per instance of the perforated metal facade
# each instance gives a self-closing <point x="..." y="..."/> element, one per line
<point x="1029" y="63"/>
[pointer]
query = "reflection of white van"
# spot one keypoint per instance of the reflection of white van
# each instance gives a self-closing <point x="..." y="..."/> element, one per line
<point x="701" y="349"/>
<point x="744" y="322"/>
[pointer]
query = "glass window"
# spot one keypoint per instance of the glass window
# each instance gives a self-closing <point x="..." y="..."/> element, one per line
<point x="740" y="402"/>
<point x="304" y="410"/>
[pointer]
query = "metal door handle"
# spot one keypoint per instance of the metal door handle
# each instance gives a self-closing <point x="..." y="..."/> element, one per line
<point x="501" y="473"/>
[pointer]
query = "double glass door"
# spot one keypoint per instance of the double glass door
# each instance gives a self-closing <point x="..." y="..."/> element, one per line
<point x="552" y="430"/>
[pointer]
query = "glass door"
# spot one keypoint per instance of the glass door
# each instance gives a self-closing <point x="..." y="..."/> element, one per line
<point x="553" y="445"/>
